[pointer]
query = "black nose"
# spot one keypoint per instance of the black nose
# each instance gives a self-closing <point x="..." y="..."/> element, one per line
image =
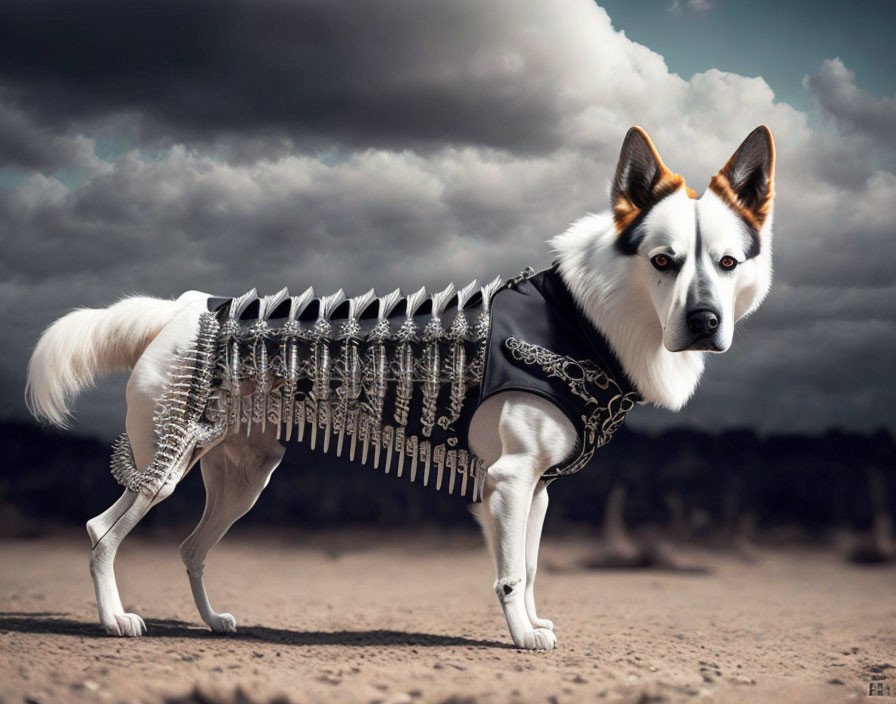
<point x="703" y="321"/>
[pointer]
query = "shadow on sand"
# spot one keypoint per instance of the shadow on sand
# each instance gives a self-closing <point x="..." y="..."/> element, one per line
<point x="57" y="623"/>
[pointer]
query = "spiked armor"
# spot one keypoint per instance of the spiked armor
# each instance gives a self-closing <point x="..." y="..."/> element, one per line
<point x="390" y="381"/>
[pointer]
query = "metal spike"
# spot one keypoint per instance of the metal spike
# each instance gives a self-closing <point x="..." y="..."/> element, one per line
<point x="415" y="455"/>
<point x="466" y="475"/>
<point x="301" y="420"/>
<point x="269" y="303"/>
<point x="288" y="424"/>
<point x="400" y="445"/>
<point x="462" y="464"/>
<point x="365" y="443"/>
<point x="377" y="447"/>
<point x="339" y="441"/>
<point x="327" y="431"/>
<point x="452" y="470"/>
<point x="440" y="465"/>
<point x="354" y="440"/>
<point x="427" y="460"/>
<point x="389" y="439"/>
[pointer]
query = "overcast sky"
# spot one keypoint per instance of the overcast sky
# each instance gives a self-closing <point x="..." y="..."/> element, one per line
<point x="162" y="145"/>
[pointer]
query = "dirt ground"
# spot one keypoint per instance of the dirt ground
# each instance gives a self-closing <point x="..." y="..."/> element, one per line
<point x="378" y="618"/>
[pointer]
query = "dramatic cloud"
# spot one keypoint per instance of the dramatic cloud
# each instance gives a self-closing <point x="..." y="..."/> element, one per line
<point x="168" y="146"/>
<point x="855" y="110"/>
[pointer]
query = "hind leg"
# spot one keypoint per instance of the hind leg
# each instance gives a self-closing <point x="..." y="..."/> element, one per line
<point x="107" y="531"/>
<point x="234" y="473"/>
<point x="109" y="528"/>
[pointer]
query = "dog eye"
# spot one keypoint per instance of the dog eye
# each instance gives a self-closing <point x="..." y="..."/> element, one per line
<point x="728" y="263"/>
<point x="661" y="262"/>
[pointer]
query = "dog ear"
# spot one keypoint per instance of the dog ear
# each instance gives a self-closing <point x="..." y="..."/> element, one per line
<point x="641" y="179"/>
<point x="747" y="182"/>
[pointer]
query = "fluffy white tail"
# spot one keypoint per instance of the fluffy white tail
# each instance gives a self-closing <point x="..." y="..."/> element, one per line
<point x="87" y="342"/>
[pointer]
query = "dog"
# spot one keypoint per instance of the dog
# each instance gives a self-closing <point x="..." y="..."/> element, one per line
<point x="662" y="277"/>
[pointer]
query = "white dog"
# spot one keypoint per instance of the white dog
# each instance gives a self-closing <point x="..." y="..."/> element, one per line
<point x="661" y="278"/>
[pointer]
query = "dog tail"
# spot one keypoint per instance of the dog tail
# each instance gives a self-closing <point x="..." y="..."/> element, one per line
<point x="86" y="343"/>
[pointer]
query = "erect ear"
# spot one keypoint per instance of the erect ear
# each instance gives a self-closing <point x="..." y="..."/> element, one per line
<point x="641" y="179"/>
<point x="747" y="182"/>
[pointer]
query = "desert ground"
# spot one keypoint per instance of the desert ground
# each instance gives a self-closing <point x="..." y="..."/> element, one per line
<point x="361" y="616"/>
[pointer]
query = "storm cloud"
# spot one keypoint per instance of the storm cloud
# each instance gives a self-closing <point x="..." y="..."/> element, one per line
<point x="159" y="147"/>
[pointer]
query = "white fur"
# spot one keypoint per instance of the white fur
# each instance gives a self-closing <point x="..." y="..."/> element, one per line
<point x="615" y="295"/>
<point x="518" y="435"/>
<point x="89" y="342"/>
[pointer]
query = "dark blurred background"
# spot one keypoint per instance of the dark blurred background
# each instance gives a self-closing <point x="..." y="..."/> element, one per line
<point x="730" y="489"/>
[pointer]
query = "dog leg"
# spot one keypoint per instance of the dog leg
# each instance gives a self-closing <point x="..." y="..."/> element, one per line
<point x="533" y="538"/>
<point x="107" y="531"/>
<point x="234" y="473"/>
<point x="508" y="496"/>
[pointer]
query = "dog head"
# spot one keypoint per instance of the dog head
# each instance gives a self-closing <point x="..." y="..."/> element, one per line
<point x="706" y="262"/>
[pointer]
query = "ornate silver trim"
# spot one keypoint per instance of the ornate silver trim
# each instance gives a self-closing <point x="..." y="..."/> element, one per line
<point x="589" y="382"/>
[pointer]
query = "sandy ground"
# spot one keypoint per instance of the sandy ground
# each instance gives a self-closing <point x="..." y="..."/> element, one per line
<point x="367" y="618"/>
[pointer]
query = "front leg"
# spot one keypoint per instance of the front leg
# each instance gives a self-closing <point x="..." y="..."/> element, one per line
<point x="507" y="499"/>
<point x="533" y="538"/>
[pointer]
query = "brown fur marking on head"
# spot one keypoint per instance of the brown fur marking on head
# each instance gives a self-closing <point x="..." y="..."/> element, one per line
<point x="754" y="214"/>
<point x="665" y="183"/>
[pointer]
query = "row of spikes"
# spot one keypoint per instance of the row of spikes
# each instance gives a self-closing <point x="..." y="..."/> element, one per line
<point x="390" y="446"/>
<point x="320" y="332"/>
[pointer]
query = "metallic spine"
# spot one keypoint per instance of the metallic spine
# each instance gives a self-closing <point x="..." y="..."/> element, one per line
<point x="289" y="355"/>
<point x="322" y="367"/>
<point x="457" y="362"/>
<point x="349" y="368"/>
<point x="432" y="337"/>
<point x="376" y="377"/>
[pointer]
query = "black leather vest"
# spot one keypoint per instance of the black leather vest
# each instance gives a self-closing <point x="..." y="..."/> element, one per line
<point x="540" y="342"/>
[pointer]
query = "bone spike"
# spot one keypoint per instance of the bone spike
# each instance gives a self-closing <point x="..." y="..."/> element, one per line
<point x="427" y="453"/>
<point x="452" y="470"/>
<point x="464" y="294"/>
<point x="365" y="445"/>
<point x="414" y="458"/>
<point x="440" y="300"/>
<point x="339" y="442"/>
<point x="388" y="303"/>
<point x="440" y="467"/>
<point x="300" y="303"/>
<point x="354" y="441"/>
<point x="415" y="300"/>
<point x="358" y="304"/>
<point x="301" y="421"/>
<point x="389" y="436"/>
<point x="327" y="433"/>
<point x="288" y="428"/>
<point x="313" y="429"/>
<point x="269" y="303"/>
<point x="238" y="305"/>
<point x="489" y="290"/>
<point x="400" y="447"/>
<point x="329" y="303"/>
<point x="377" y="447"/>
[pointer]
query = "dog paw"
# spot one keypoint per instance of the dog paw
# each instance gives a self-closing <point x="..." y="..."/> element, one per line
<point x="542" y="623"/>
<point x="127" y="625"/>
<point x="223" y="623"/>
<point x="538" y="639"/>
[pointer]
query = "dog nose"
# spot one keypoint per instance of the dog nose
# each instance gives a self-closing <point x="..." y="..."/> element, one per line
<point x="703" y="321"/>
